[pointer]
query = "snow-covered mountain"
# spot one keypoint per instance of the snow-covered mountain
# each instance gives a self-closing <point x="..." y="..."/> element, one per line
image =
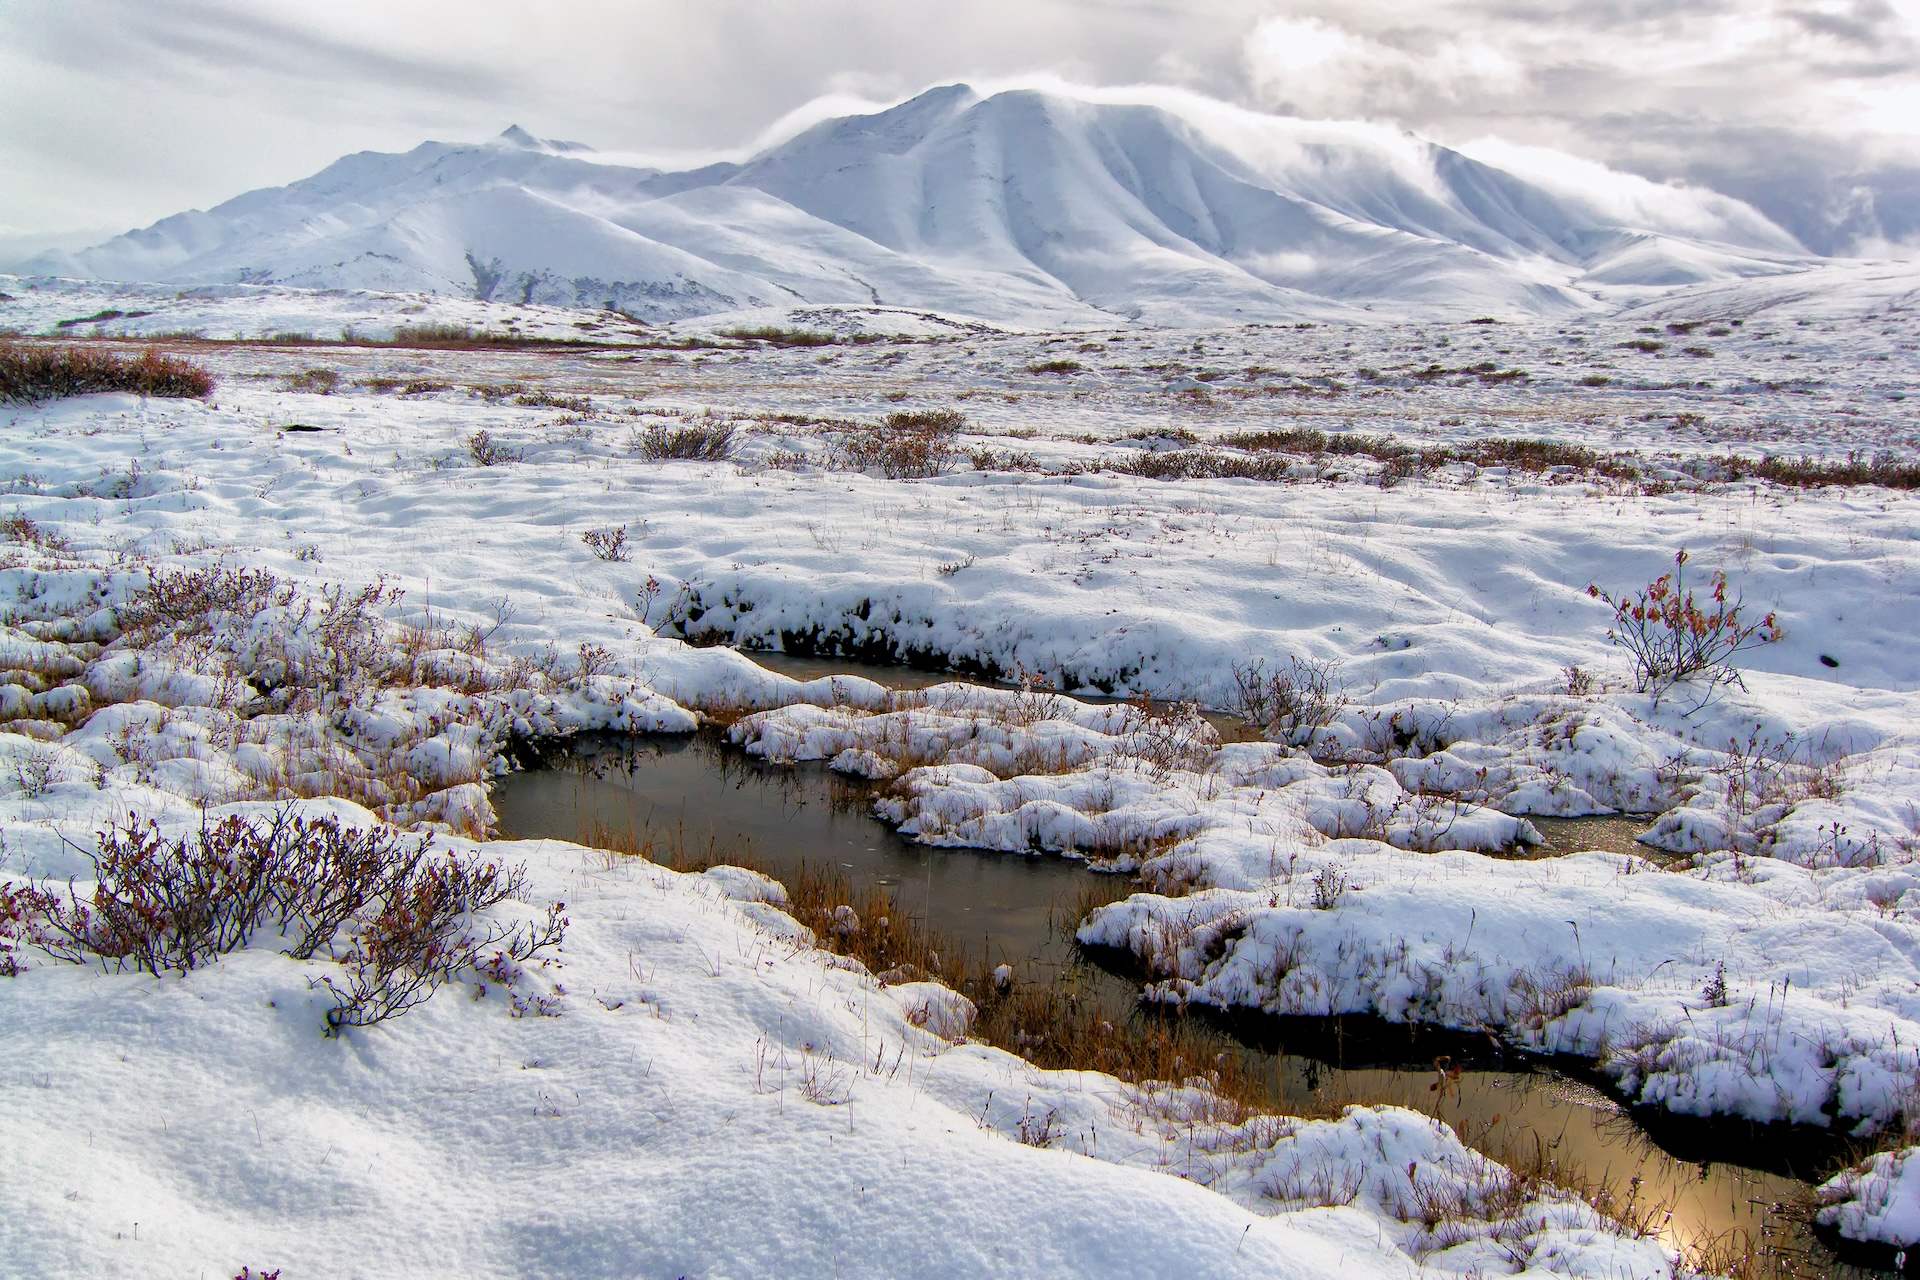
<point x="1023" y="207"/>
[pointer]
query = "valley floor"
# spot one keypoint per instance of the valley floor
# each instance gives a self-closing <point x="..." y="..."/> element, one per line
<point x="1137" y="513"/>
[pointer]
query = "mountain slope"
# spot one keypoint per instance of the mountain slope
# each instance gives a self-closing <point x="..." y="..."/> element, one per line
<point x="1021" y="207"/>
<point x="1842" y="290"/>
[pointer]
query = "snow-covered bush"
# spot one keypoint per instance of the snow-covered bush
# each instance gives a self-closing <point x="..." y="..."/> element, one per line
<point x="489" y="452"/>
<point x="399" y="918"/>
<point x="1169" y="737"/>
<point x="1293" y="703"/>
<point x="1673" y="637"/>
<point x="20" y="528"/>
<point x="191" y="597"/>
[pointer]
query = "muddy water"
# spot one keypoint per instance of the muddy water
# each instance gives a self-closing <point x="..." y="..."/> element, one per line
<point x="1609" y="835"/>
<point x="697" y="793"/>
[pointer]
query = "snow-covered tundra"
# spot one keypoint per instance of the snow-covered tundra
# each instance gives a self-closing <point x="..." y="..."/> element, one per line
<point x="355" y="575"/>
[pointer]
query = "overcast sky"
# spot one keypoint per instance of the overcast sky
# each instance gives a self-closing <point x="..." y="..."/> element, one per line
<point x="119" y="112"/>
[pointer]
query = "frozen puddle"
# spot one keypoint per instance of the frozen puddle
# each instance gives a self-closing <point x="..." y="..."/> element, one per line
<point x="698" y="794"/>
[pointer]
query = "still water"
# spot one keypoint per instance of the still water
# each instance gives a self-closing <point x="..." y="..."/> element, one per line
<point x="698" y="794"/>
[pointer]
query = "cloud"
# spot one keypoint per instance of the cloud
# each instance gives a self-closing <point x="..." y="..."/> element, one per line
<point x="1309" y="66"/>
<point x="1866" y="23"/>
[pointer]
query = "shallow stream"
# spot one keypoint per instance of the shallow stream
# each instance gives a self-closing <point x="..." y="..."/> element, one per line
<point x="698" y="794"/>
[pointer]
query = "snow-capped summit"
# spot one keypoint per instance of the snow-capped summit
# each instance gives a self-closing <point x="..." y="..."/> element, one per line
<point x="514" y="136"/>
<point x="1024" y="206"/>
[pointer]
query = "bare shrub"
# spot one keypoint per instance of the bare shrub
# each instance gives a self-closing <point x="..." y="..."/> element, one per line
<point x="1673" y="637"/>
<point x="1169" y="738"/>
<point x="1714" y="993"/>
<point x="1040" y="1130"/>
<point x="939" y="421"/>
<point x="352" y="641"/>
<point x="18" y="527"/>
<point x="593" y="660"/>
<point x="608" y="542"/>
<point x="404" y="386"/>
<point x="314" y="381"/>
<point x="31" y="373"/>
<point x="322" y="651"/>
<point x="1055" y="366"/>
<point x="488" y="452"/>
<point x="398" y="917"/>
<point x="698" y="442"/>
<point x="825" y="1083"/>
<point x="457" y="337"/>
<point x="1329" y="886"/>
<point x="1885" y="468"/>
<point x="905" y="445"/>
<point x="1291" y="704"/>
<point x="1205" y="464"/>
<point x="431" y="334"/>
<point x="422" y="938"/>
<point x="1766" y="777"/>
<point x="36" y="770"/>
<point x="776" y="336"/>
<point x="191" y="596"/>
<point x="1033" y="700"/>
<point x="543" y="399"/>
<point x="1399" y="461"/>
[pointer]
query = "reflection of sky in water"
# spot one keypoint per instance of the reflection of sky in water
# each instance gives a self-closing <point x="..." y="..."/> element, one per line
<point x="694" y="795"/>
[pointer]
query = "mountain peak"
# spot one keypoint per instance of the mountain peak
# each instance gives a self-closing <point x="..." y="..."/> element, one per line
<point x="1027" y="205"/>
<point x="924" y="107"/>
<point x="514" y="136"/>
<point x="944" y="95"/>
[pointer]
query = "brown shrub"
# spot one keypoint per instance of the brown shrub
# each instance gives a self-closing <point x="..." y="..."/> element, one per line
<point x="35" y="372"/>
<point x="698" y="442"/>
<point x="905" y="445"/>
<point x="776" y="336"/>
<point x="399" y="918"/>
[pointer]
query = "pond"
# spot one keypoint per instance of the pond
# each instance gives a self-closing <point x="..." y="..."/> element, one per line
<point x="698" y="794"/>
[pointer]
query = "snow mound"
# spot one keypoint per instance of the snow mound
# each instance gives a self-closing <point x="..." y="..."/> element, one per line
<point x="1879" y="1201"/>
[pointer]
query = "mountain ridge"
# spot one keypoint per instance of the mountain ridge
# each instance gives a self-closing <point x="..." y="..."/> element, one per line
<point x="1021" y="206"/>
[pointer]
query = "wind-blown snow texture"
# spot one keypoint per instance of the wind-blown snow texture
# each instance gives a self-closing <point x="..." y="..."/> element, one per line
<point x="1024" y="207"/>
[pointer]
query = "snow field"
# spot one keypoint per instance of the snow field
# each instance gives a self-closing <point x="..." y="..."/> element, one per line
<point x="1452" y="605"/>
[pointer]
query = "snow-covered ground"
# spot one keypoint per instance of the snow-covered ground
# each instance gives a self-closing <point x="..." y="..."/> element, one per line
<point x="89" y="308"/>
<point x="1774" y="972"/>
<point x="713" y="1098"/>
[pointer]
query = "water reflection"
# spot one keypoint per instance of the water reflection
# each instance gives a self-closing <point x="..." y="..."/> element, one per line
<point x="697" y="795"/>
